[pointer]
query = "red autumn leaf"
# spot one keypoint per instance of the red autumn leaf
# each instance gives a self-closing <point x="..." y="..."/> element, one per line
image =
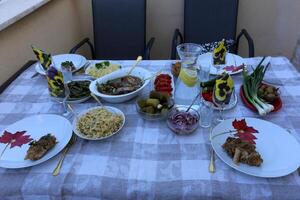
<point x="247" y="137"/>
<point x="244" y="132"/>
<point x="16" y="139"/>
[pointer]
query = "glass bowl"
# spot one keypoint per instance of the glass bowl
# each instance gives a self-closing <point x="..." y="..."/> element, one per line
<point x="182" y="122"/>
<point x="155" y="116"/>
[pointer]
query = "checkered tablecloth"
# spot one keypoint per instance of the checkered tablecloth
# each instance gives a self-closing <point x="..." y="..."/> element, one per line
<point x="145" y="160"/>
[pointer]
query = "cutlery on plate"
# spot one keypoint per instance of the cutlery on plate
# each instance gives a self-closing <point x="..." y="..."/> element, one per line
<point x="211" y="167"/>
<point x="154" y="75"/>
<point x="138" y="59"/>
<point x="83" y="68"/>
<point x="194" y="100"/>
<point x="61" y="160"/>
<point x="97" y="99"/>
<point x="72" y="110"/>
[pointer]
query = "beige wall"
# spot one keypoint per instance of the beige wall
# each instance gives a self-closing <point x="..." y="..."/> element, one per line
<point x="273" y="24"/>
<point x="163" y="17"/>
<point x="55" y="27"/>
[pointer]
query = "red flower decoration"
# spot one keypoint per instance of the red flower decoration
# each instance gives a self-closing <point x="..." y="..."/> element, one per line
<point x="244" y="132"/>
<point x="16" y="139"/>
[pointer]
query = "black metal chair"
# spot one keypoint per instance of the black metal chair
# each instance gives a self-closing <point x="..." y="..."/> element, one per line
<point x="16" y="75"/>
<point x="119" y="30"/>
<point x="208" y="21"/>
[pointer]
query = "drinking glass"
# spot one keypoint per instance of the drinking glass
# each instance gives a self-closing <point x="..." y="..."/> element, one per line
<point x="206" y="115"/>
<point x="204" y="72"/>
<point x="221" y="105"/>
<point x="67" y="77"/>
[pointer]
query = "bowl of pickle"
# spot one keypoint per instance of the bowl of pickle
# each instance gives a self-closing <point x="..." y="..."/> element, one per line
<point x="154" y="106"/>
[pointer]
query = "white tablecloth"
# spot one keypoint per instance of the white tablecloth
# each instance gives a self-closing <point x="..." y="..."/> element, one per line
<point x="145" y="160"/>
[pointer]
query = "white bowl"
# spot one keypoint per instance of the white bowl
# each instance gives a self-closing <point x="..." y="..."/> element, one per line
<point x="138" y="72"/>
<point x="109" y="108"/>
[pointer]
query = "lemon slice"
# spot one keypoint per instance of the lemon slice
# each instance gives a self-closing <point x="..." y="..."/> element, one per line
<point x="188" y="77"/>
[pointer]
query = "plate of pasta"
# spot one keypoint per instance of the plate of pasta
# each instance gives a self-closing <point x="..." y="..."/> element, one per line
<point x="98" y="123"/>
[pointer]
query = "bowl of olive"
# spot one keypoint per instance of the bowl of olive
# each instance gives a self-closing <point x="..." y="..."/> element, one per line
<point x="154" y="106"/>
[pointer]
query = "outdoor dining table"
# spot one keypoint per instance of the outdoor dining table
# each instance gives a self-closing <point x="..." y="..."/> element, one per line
<point x="146" y="160"/>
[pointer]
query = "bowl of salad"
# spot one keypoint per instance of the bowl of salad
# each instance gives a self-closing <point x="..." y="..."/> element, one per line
<point x="103" y="68"/>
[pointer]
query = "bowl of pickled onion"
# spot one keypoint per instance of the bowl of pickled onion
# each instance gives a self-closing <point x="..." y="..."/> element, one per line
<point x="182" y="122"/>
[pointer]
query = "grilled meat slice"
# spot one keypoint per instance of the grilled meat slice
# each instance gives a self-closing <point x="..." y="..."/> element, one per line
<point x="242" y="152"/>
<point x="39" y="148"/>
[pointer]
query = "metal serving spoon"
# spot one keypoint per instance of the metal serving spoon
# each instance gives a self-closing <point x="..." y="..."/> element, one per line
<point x="138" y="59"/>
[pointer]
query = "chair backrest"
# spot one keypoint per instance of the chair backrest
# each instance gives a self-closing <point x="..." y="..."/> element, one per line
<point x="210" y="20"/>
<point x="119" y="28"/>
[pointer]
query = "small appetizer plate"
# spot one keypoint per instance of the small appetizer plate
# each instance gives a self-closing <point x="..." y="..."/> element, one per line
<point x="231" y="60"/>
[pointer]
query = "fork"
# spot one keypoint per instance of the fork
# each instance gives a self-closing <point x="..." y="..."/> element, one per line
<point x="61" y="160"/>
<point x="211" y="167"/>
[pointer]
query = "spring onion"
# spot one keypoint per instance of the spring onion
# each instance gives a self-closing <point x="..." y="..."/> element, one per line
<point x="251" y="85"/>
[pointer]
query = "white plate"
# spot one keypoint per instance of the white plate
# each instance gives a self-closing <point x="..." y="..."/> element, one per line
<point x="36" y="126"/>
<point x="172" y="81"/>
<point x="109" y="108"/>
<point x="138" y="72"/>
<point x="232" y="103"/>
<point x="231" y="59"/>
<point x="279" y="150"/>
<point x="78" y="61"/>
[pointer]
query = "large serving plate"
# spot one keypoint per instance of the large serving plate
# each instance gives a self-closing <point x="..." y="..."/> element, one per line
<point x="138" y="72"/>
<point x="109" y="108"/>
<point x="231" y="60"/>
<point x="36" y="126"/>
<point x="78" y="61"/>
<point x="279" y="150"/>
<point x="277" y="103"/>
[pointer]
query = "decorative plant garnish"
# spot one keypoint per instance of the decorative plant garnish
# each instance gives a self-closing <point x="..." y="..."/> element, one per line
<point x="14" y="139"/>
<point x="242" y="131"/>
<point x="102" y="64"/>
<point x="68" y="65"/>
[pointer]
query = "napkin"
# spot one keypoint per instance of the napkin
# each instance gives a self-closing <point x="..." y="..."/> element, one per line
<point x="44" y="58"/>
<point x="55" y="82"/>
<point x="223" y="89"/>
<point x="219" y="53"/>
